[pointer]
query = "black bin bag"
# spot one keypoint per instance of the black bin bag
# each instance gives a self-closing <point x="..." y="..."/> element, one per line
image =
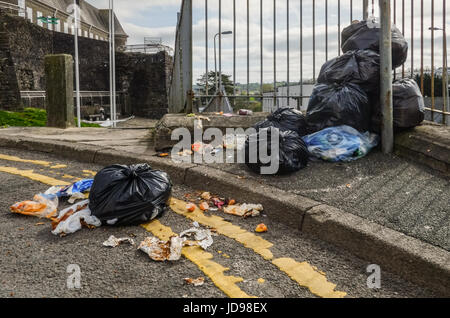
<point x="333" y="105"/>
<point x="408" y="106"/>
<point x="365" y="35"/>
<point x="360" y="67"/>
<point x="129" y="195"/>
<point x="292" y="155"/>
<point x="285" y="119"/>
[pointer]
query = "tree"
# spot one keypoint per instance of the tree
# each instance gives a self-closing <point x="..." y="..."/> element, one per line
<point x="427" y="84"/>
<point x="226" y="82"/>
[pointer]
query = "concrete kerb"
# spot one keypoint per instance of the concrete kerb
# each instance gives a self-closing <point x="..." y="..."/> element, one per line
<point x="410" y="258"/>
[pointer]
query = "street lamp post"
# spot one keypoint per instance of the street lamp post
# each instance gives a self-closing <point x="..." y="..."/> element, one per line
<point x="445" y="93"/>
<point x="215" y="58"/>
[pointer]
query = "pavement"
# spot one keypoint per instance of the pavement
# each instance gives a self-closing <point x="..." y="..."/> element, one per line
<point x="35" y="262"/>
<point x="383" y="208"/>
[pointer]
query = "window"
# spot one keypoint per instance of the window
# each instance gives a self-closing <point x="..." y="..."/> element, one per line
<point x="30" y="14"/>
<point x="101" y="38"/>
<point x="91" y="35"/>
<point x="58" y="26"/>
<point x="49" y="25"/>
<point x="21" y="4"/>
<point x="96" y="37"/>
<point x="80" y="33"/>
<point x="66" y="27"/>
<point x="85" y="33"/>
<point x="38" y="15"/>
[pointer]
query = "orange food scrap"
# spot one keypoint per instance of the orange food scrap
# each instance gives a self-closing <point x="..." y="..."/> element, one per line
<point x="261" y="228"/>
<point x="232" y="202"/>
<point x="190" y="207"/>
<point x="204" y="206"/>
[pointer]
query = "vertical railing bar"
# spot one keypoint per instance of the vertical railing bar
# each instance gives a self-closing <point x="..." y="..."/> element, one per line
<point x="326" y="30"/>
<point x="432" y="61"/>
<point x="444" y="62"/>
<point x="261" y="48"/>
<point x="275" y="53"/>
<point x="248" y="53"/>
<point x="314" y="40"/>
<point x="351" y="11"/>
<point x="412" y="39"/>
<point x="206" y="47"/>
<point x="421" y="49"/>
<point x="220" y="45"/>
<point x="373" y="8"/>
<point x="301" y="53"/>
<point x="288" y="53"/>
<point x="339" y="27"/>
<point x="403" y="32"/>
<point x="234" y="52"/>
<point x="395" y="23"/>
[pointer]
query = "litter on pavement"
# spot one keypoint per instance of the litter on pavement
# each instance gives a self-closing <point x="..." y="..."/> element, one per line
<point x="261" y="228"/>
<point x="161" y="251"/>
<point x="43" y="206"/>
<point x="244" y="210"/>
<point x="195" y="281"/>
<point x="113" y="241"/>
<point x="203" y="237"/>
<point x="72" y="219"/>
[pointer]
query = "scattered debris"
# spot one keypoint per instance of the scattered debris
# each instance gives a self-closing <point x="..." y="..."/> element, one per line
<point x="114" y="241"/>
<point x="76" y="196"/>
<point x="196" y="282"/>
<point x="43" y="206"/>
<point x="161" y="251"/>
<point x="261" y="228"/>
<point x="261" y="280"/>
<point x="190" y="207"/>
<point x="206" y="196"/>
<point x="204" y="206"/>
<point x="72" y="219"/>
<point x="202" y="236"/>
<point x="162" y="155"/>
<point x="244" y="210"/>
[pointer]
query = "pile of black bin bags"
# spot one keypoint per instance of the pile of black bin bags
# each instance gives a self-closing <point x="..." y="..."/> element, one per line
<point x="347" y="93"/>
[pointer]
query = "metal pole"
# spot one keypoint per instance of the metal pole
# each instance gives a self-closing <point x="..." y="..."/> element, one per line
<point x="77" y="67"/>
<point x="288" y="54"/>
<point x="386" y="77"/>
<point x="248" y="53"/>
<point x="206" y="47"/>
<point x="275" y="53"/>
<point x="365" y="9"/>
<point x="113" y="46"/>
<point x="215" y="63"/>
<point x="220" y="44"/>
<point x="111" y="107"/>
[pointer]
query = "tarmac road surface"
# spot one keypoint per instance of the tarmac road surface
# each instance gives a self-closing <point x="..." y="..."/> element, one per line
<point x="240" y="263"/>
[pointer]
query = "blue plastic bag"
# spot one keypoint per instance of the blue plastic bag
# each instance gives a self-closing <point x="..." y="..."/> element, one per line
<point x="78" y="187"/>
<point x="342" y="143"/>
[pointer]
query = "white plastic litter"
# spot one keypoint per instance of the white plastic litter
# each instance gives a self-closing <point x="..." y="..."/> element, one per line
<point x="113" y="241"/>
<point x="202" y="236"/>
<point x="162" y="251"/>
<point x="73" y="223"/>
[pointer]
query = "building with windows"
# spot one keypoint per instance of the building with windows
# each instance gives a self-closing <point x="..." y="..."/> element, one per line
<point x="94" y="22"/>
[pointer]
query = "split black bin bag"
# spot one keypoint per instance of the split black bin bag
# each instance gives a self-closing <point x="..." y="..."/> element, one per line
<point x="285" y="119"/>
<point x="408" y="106"/>
<point x="129" y="195"/>
<point x="360" y="67"/>
<point x="292" y="153"/>
<point x="365" y="35"/>
<point x="333" y="105"/>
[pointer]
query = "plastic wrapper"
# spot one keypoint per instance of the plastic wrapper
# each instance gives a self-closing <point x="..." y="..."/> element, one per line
<point x="285" y="119"/>
<point x="161" y="251"/>
<point x="113" y="241"/>
<point x="333" y="105"/>
<point x="361" y="67"/>
<point x="292" y="153"/>
<point x="408" y="106"/>
<point x="244" y="210"/>
<point x="68" y="191"/>
<point x="202" y="237"/>
<point x="341" y="143"/>
<point x="131" y="194"/>
<point x="43" y="206"/>
<point x="365" y="35"/>
<point x="72" y="219"/>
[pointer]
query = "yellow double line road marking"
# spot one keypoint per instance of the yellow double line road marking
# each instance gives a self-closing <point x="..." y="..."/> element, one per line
<point x="203" y="260"/>
<point x="34" y="176"/>
<point x="303" y="273"/>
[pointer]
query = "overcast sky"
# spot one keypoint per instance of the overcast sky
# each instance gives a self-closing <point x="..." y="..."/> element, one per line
<point x="157" y="18"/>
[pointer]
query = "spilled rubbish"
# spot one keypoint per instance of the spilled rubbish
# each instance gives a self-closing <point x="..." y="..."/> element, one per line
<point x="203" y="237"/>
<point x="162" y="251"/>
<point x="195" y="281"/>
<point x="43" y="206"/>
<point x="113" y="241"/>
<point x="244" y="210"/>
<point x="72" y="219"/>
<point x="261" y="228"/>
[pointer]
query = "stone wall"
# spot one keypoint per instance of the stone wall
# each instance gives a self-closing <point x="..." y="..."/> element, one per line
<point x="142" y="77"/>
